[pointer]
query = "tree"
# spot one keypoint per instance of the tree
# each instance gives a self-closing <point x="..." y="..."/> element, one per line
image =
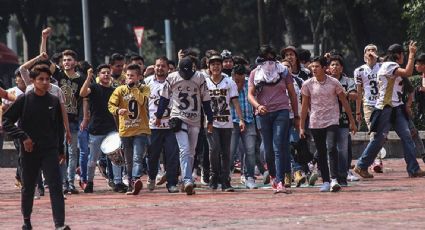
<point x="414" y="13"/>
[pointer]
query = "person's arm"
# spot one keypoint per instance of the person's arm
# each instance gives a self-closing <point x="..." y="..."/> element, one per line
<point x="86" y="114"/>
<point x="305" y="104"/>
<point x="113" y="103"/>
<point x="44" y="36"/>
<point x="342" y="98"/>
<point x="359" y="103"/>
<point x="85" y="89"/>
<point x="24" y="68"/>
<point x="409" y="103"/>
<point x="407" y="72"/>
<point x="294" y="104"/>
<point x="6" y="95"/>
<point x="238" y="110"/>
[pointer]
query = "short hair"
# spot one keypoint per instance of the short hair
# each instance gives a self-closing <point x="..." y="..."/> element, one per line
<point x="38" y="70"/>
<point x="116" y="57"/>
<point x="322" y="61"/>
<point x="240" y="60"/>
<point x="239" y="69"/>
<point x="304" y="55"/>
<point x="56" y="57"/>
<point x="135" y="67"/>
<point x="137" y="58"/>
<point x="102" y="66"/>
<point x="421" y="58"/>
<point x="336" y="58"/>
<point x="171" y="62"/>
<point x="71" y="53"/>
<point x="163" y="58"/>
<point x="83" y="66"/>
<point x="40" y="62"/>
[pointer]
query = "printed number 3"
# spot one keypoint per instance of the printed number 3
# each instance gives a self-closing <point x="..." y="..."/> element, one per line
<point x="184" y="105"/>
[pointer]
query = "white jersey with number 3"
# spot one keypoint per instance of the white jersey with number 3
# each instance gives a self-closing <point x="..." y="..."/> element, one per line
<point x="221" y="95"/>
<point x="156" y="89"/>
<point x="367" y="77"/>
<point x="186" y="96"/>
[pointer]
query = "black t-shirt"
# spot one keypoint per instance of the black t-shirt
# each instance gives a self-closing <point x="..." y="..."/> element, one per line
<point x="71" y="89"/>
<point x="101" y="120"/>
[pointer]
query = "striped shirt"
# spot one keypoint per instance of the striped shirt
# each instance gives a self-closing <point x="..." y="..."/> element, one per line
<point x="246" y="107"/>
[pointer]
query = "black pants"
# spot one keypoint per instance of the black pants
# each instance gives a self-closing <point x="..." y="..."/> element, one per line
<point x="46" y="160"/>
<point x="325" y="141"/>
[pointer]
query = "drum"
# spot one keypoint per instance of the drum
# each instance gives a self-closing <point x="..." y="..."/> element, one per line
<point x="111" y="146"/>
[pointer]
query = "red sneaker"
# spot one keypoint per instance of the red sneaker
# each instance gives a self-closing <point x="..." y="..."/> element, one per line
<point x="377" y="166"/>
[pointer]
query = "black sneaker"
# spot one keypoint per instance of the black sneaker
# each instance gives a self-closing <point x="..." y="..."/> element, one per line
<point x="120" y="188"/>
<point x="41" y="191"/>
<point x="65" y="227"/>
<point x="111" y="184"/>
<point x="26" y="227"/>
<point x="72" y="189"/>
<point x="173" y="189"/>
<point x="213" y="183"/>
<point x="89" y="187"/>
<point x="226" y="187"/>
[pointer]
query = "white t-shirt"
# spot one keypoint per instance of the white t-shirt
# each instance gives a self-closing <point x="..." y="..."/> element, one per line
<point x="186" y="96"/>
<point x="221" y="95"/>
<point x="390" y="86"/>
<point x="156" y="89"/>
<point x="367" y="77"/>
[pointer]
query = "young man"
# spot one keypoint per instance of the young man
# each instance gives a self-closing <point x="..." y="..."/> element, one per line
<point x="117" y="66"/>
<point x="186" y="89"/>
<point x="101" y="120"/>
<point x="227" y="62"/>
<point x="224" y="94"/>
<point x="249" y="135"/>
<point x="390" y="112"/>
<point x="40" y="132"/>
<point x="366" y="80"/>
<point x="129" y="103"/>
<point x="162" y="138"/>
<point x="320" y="95"/>
<point x="336" y="67"/>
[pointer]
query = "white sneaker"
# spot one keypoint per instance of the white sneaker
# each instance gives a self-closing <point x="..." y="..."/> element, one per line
<point x="335" y="187"/>
<point x="36" y="194"/>
<point x="325" y="187"/>
<point x="351" y="177"/>
<point x="250" y="183"/>
<point x="256" y="171"/>
<point x="243" y="180"/>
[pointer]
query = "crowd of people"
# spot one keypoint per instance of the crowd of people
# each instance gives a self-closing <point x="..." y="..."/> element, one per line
<point x="205" y="116"/>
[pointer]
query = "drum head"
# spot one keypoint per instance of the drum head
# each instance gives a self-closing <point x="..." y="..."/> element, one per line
<point x="111" y="143"/>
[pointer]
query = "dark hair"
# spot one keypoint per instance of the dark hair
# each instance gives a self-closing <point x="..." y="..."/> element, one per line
<point x="322" y="61"/>
<point x="210" y="53"/>
<point x="38" y="70"/>
<point x="392" y="57"/>
<point x="41" y="62"/>
<point x="163" y="58"/>
<point x="266" y="50"/>
<point x="304" y="55"/>
<point x="56" y="58"/>
<point x="171" y="62"/>
<point x="190" y="52"/>
<point x="137" y="58"/>
<point x="421" y="58"/>
<point x="240" y="60"/>
<point x="83" y="66"/>
<point x="102" y="66"/>
<point x="203" y="63"/>
<point x="336" y="58"/>
<point x="71" y="53"/>
<point x="135" y="67"/>
<point x="116" y="57"/>
<point x="239" y="69"/>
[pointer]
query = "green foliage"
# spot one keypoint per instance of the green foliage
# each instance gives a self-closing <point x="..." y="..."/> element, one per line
<point x="414" y="13"/>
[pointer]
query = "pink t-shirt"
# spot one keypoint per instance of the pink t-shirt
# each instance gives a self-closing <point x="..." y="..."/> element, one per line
<point x="324" y="107"/>
<point x="274" y="97"/>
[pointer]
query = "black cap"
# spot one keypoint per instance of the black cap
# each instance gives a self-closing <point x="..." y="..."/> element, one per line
<point x="395" y="49"/>
<point x="186" y="70"/>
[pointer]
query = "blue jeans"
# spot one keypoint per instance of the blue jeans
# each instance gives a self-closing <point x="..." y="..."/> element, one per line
<point x="163" y="140"/>
<point x="187" y="139"/>
<point x="248" y="137"/>
<point x="342" y="137"/>
<point x="83" y="145"/>
<point x="294" y="137"/>
<point x="401" y="127"/>
<point x="275" y="133"/>
<point x="95" y="153"/>
<point x="72" y="152"/>
<point x="134" y="149"/>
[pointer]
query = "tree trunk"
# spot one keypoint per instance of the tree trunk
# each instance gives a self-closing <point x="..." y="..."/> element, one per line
<point x="260" y="10"/>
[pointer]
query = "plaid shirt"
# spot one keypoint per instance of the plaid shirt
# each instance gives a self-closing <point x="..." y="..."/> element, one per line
<point x="246" y="107"/>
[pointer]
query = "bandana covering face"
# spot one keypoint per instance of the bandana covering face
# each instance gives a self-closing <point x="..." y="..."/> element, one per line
<point x="269" y="72"/>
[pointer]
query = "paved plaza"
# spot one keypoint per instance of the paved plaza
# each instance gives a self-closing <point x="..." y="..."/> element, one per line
<point x="389" y="201"/>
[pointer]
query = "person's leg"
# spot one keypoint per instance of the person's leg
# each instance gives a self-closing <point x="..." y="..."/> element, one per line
<point x="281" y="144"/>
<point x="224" y="140"/>
<point x="31" y="164"/>
<point x="267" y="138"/>
<point x="249" y="141"/>
<point x="401" y="127"/>
<point x="83" y="139"/>
<point x="50" y="166"/>
<point x="342" y="150"/>
<point x="157" y="143"/>
<point x="73" y="155"/>
<point x="214" y="152"/>
<point x="127" y="144"/>
<point x="171" y="153"/>
<point x="139" y="147"/>
<point x="184" y="140"/>
<point x="331" y="147"/>
<point x="377" y="141"/>
<point x="234" y="143"/>
<point x="319" y="136"/>
<point x="95" y="153"/>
